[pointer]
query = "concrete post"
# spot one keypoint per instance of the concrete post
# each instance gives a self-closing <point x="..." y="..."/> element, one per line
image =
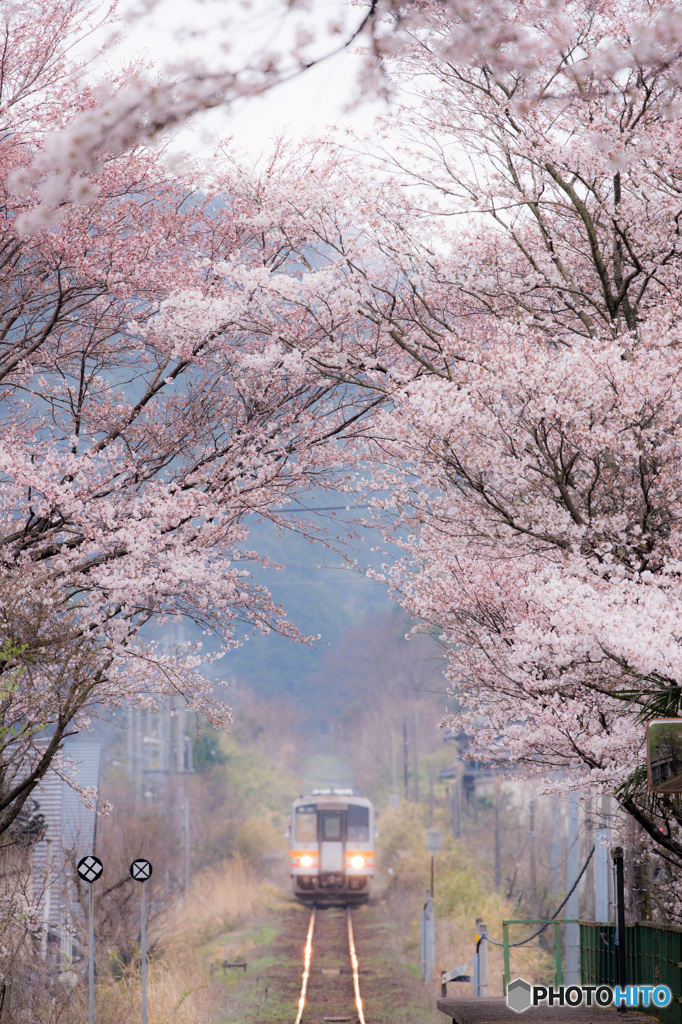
<point x="482" y="929"/>
<point x="429" y="940"/>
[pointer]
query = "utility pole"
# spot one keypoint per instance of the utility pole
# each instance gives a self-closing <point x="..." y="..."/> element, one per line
<point x="555" y="845"/>
<point x="405" y="768"/>
<point x="416" y="756"/>
<point x="498" y="844"/>
<point x="430" y="794"/>
<point x="590" y="837"/>
<point x="137" y="741"/>
<point x="186" y="844"/>
<point x="393" y="800"/>
<point x="130" y="744"/>
<point x="531" y="851"/>
<point x="602" y="874"/>
<point x="572" y="931"/>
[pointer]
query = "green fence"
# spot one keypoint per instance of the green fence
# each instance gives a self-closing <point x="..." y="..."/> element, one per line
<point x="529" y="922"/>
<point x="653" y="955"/>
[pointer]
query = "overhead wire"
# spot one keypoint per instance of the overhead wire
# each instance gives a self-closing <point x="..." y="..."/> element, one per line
<point x="522" y="942"/>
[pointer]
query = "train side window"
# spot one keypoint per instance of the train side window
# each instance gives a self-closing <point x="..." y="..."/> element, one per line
<point x="358" y="824"/>
<point x="331" y="827"/>
<point x="306" y="827"/>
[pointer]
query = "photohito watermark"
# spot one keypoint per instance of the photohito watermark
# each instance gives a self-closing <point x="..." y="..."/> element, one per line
<point x="521" y="995"/>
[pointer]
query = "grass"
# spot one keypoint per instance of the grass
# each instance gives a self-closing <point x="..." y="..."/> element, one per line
<point x="266" y="936"/>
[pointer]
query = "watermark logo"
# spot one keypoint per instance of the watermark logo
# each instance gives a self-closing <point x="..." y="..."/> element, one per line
<point x="521" y="995"/>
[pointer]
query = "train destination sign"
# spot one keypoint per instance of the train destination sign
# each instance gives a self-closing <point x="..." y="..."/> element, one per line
<point x="664" y="755"/>
<point x="89" y="868"/>
<point x="141" y="869"/>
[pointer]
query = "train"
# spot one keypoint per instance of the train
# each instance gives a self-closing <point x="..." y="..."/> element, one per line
<point x="332" y="834"/>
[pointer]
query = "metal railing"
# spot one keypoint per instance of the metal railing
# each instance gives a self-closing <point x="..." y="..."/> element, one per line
<point x="545" y="922"/>
<point x="653" y="957"/>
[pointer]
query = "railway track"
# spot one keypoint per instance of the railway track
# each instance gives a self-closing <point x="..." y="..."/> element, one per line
<point x="307" y="1004"/>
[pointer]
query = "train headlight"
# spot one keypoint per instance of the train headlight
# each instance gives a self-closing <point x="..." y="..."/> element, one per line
<point x="306" y="861"/>
<point x="357" y="861"/>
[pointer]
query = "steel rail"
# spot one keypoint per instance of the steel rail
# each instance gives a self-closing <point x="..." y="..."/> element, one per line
<point x="354" y="963"/>
<point x="306" y="968"/>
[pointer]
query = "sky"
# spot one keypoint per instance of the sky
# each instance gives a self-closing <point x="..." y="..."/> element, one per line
<point x="170" y="32"/>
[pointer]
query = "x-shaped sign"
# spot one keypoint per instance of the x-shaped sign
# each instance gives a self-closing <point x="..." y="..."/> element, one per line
<point x="141" y="869"/>
<point x="90" y="868"/>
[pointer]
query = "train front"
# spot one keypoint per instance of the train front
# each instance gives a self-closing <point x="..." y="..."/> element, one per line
<point x="332" y="847"/>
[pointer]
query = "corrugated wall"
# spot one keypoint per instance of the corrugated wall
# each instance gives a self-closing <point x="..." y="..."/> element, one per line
<point x="70" y="832"/>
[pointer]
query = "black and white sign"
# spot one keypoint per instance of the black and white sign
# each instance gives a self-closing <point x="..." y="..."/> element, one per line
<point x="141" y="869"/>
<point x="90" y="868"/>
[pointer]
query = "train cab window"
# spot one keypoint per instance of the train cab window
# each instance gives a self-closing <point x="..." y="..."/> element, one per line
<point x="358" y="824"/>
<point x="306" y="824"/>
<point x="331" y="827"/>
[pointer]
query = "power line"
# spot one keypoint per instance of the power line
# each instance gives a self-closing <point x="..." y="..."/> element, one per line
<point x="561" y="906"/>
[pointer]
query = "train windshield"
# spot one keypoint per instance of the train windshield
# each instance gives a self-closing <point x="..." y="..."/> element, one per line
<point x="358" y="824"/>
<point x="331" y="827"/>
<point x="306" y="824"/>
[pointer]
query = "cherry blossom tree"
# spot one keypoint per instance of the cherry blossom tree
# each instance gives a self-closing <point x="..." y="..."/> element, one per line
<point x="542" y="442"/>
<point x="143" y="428"/>
<point x="510" y="301"/>
<point x="492" y="331"/>
<point x="228" y="61"/>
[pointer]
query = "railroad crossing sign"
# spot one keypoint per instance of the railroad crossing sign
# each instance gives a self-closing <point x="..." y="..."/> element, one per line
<point x="90" y="868"/>
<point x="141" y="869"/>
